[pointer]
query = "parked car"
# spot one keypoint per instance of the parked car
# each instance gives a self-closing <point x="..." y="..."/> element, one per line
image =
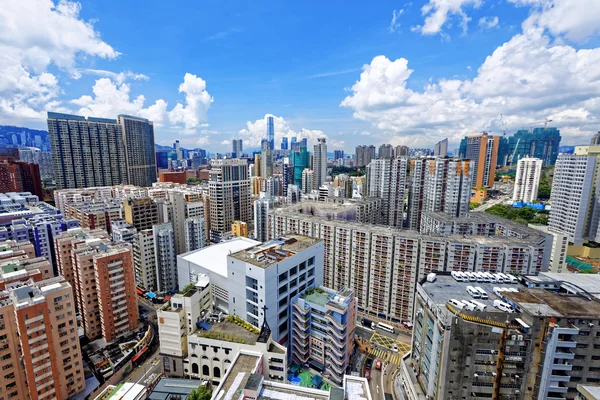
<point x="394" y="347"/>
<point x="368" y="375"/>
<point x="378" y="364"/>
<point x="368" y="363"/>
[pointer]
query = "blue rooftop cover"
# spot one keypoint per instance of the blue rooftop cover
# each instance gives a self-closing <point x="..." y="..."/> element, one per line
<point x="203" y="325"/>
<point x="151" y="295"/>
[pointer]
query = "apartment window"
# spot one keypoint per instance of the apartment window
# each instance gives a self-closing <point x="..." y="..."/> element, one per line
<point x="283" y="277"/>
<point x="311" y="261"/>
<point x="293" y="271"/>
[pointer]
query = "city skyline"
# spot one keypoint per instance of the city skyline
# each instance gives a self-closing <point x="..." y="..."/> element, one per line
<point x="381" y="81"/>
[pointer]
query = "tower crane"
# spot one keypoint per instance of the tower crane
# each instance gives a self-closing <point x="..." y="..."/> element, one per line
<point x="545" y="122"/>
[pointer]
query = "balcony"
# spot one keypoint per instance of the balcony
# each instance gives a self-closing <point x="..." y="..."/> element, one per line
<point x="562" y="366"/>
<point x="302" y="310"/>
<point x="299" y="332"/>
<point x="557" y="387"/>
<point x="565" y="355"/>
<point x="559" y="376"/>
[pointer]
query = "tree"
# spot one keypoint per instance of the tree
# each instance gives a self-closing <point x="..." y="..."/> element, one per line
<point x="189" y="287"/>
<point x="473" y="205"/>
<point x="202" y="393"/>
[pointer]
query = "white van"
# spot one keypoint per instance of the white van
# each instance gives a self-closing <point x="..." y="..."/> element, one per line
<point x="471" y="276"/>
<point x="473" y="292"/>
<point x="512" y="289"/>
<point x="480" y="305"/>
<point x="455" y="303"/>
<point x="500" y="305"/>
<point x="498" y="291"/>
<point x="499" y="278"/>
<point x="456" y="276"/>
<point x="468" y="305"/>
<point x="490" y="278"/>
<point x="478" y="276"/>
<point x="482" y="292"/>
<point x="512" y="278"/>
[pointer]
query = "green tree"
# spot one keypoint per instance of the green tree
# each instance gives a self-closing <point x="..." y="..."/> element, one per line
<point x="187" y="288"/>
<point x="473" y="205"/>
<point x="202" y="393"/>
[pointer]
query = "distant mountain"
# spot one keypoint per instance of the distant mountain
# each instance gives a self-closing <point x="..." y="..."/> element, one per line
<point x="15" y="136"/>
<point x="160" y="147"/>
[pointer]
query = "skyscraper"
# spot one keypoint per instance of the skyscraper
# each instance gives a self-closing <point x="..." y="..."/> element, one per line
<point x="138" y="138"/>
<point x="261" y="212"/>
<point x="386" y="179"/>
<point x="320" y="163"/>
<point x="441" y="148"/>
<point x="229" y="189"/>
<point x="364" y="155"/>
<point x="386" y="151"/>
<point x="284" y="143"/>
<point x="527" y="180"/>
<point x="539" y="143"/>
<point x="402" y="151"/>
<point x="447" y="187"/>
<point x="338" y="154"/>
<point x="237" y="148"/>
<point x="86" y="152"/>
<point x="308" y="180"/>
<point x="573" y="187"/>
<point x="144" y="260"/>
<point x="300" y="161"/>
<point x="165" y="258"/>
<point x="482" y="150"/>
<point x="19" y="176"/>
<point x="271" y="133"/>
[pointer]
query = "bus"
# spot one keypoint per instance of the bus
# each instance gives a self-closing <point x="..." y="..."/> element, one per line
<point x="386" y="327"/>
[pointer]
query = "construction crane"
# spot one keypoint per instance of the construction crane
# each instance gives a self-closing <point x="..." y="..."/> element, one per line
<point x="503" y="124"/>
<point x="545" y="122"/>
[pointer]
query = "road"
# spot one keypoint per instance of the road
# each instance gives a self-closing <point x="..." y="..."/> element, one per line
<point x="150" y="366"/>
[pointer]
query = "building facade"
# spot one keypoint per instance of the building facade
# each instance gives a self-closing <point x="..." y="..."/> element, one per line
<point x="323" y="322"/>
<point x="144" y="261"/>
<point x="141" y="212"/>
<point x="86" y="151"/>
<point x="541" y="143"/>
<point x="441" y="148"/>
<point x="229" y="189"/>
<point x="320" y="163"/>
<point x="138" y="140"/>
<point x="385" y="151"/>
<point x="165" y="258"/>
<point x="386" y="179"/>
<point x="364" y="154"/>
<point x="482" y="150"/>
<point x="527" y="180"/>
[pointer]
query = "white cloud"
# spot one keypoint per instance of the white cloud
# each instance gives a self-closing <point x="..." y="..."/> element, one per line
<point x="562" y="84"/>
<point x="225" y="142"/>
<point x="35" y="34"/>
<point x="118" y="77"/>
<point x="112" y="97"/>
<point x="577" y="20"/>
<point x="488" y="22"/>
<point x="395" y="24"/>
<point x="365" y="133"/>
<point x="203" y="141"/>
<point x="437" y="12"/>
<point x="257" y="130"/>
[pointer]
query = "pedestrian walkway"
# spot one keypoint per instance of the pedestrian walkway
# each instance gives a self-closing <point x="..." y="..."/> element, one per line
<point x="393" y="358"/>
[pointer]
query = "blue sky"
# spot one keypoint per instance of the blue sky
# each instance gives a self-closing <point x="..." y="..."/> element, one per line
<point x="430" y="69"/>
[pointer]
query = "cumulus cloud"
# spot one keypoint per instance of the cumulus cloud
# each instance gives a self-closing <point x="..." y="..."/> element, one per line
<point x="488" y="22"/>
<point x="118" y="77"/>
<point x="112" y="98"/>
<point x="437" y="13"/>
<point x="226" y="142"/>
<point x="577" y="20"/>
<point x="35" y="34"/>
<point x="257" y="130"/>
<point x="563" y="84"/>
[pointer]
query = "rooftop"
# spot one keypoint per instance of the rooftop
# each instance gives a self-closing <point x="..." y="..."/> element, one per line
<point x="540" y="302"/>
<point x="589" y="391"/>
<point x="214" y="257"/>
<point x="166" y="388"/>
<point x="276" y="250"/>
<point x="239" y="374"/>
<point x="322" y="296"/>
<point x="229" y="332"/>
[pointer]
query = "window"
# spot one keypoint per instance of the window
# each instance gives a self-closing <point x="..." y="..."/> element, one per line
<point x="311" y="261"/>
<point x="205" y="370"/>
<point x="293" y="271"/>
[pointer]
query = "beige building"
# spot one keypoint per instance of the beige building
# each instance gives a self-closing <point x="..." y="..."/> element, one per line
<point x="239" y="228"/>
<point x="141" y="212"/>
<point x="40" y="357"/>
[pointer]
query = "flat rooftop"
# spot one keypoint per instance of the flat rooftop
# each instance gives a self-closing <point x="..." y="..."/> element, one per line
<point x="356" y="388"/>
<point x="290" y="392"/>
<point x="214" y="257"/>
<point x="588" y="282"/>
<point x="446" y="287"/>
<point x="276" y="250"/>
<point x="167" y="388"/>
<point x="238" y="376"/>
<point x="228" y="332"/>
<point x="540" y="302"/>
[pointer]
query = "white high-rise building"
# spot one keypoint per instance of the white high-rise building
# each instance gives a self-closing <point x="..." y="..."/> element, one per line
<point x="144" y="260"/>
<point x="386" y="179"/>
<point x="527" y="180"/>
<point x="320" y="163"/>
<point x="308" y="181"/>
<point x="573" y="187"/>
<point x="261" y="211"/>
<point x="164" y="254"/>
<point x="195" y="237"/>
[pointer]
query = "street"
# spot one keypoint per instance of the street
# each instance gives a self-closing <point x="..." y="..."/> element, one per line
<point x="150" y="366"/>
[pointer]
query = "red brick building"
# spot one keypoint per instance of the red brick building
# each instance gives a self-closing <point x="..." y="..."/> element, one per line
<point x="20" y="176"/>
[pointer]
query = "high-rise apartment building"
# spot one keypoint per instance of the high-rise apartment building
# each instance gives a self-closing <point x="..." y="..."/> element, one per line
<point x="338" y="154"/>
<point x="441" y="148"/>
<point x="385" y="151"/>
<point x="520" y="342"/>
<point x="36" y="156"/>
<point x="573" y="188"/>
<point x="40" y="357"/>
<point x="19" y="176"/>
<point x="527" y="180"/>
<point x="138" y="139"/>
<point x="382" y="265"/>
<point x="300" y="160"/>
<point x="364" y="155"/>
<point x="266" y="159"/>
<point x="144" y="261"/>
<point x="320" y="163"/>
<point x="239" y="228"/>
<point x="402" y="151"/>
<point x="323" y="324"/>
<point x="271" y="133"/>
<point x="86" y="152"/>
<point x="141" y="212"/>
<point x="229" y="189"/>
<point x="261" y="212"/>
<point x="185" y="208"/>
<point x="236" y="148"/>
<point x="165" y="258"/>
<point x="386" y="179"/>
<point x="482" y="150"/>
<point x="539" y="143"/>
<point x="121" y="231"/>
<point x="308" y="180"/>
<point x="284" y="143"/>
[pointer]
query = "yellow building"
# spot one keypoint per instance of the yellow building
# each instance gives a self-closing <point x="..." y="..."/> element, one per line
<point x="239" y="228"/>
